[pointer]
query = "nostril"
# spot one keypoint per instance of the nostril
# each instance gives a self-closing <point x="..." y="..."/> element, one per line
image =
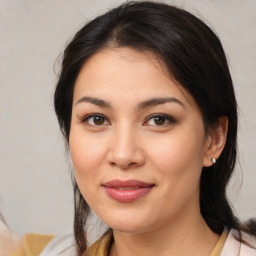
<point x="132" y="164"/>
<point x="124" y="165"/>
<point x="112" y="163"/>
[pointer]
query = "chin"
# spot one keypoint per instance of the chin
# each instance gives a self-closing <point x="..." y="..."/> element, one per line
<point x="128" y="225"/>
<point x="129" y="229"/>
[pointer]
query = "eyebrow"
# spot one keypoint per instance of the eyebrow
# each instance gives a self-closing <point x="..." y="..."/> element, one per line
<point x="158" y="101"/>
<point x="94" y="101"/>
<point x="144" y="104"/>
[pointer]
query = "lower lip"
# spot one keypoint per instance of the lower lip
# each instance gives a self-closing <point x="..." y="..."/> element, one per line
<point x="126" y="196"/>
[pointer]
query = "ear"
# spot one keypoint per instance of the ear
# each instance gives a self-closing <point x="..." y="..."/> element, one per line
<point x="215" y="141"/>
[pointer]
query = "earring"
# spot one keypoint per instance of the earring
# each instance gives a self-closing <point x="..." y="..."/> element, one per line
<point x="213" y="160"/>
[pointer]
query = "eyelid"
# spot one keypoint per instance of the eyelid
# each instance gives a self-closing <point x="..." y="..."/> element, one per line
<point x="168" y="117"/>
<point x="85" y="118"/>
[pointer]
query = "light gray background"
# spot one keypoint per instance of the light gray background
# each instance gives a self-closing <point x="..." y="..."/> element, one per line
<point x="35" y="188"/>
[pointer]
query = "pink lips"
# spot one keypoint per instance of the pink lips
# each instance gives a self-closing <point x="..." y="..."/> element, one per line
<point x="127" y="191"/>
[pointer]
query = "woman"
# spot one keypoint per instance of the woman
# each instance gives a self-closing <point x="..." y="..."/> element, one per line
<point x="146" y="104"/>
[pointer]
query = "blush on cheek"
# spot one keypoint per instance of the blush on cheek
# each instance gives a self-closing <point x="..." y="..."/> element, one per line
<point x="87" y="157"/>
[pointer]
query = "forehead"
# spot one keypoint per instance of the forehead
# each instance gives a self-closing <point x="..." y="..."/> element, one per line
<point x="125" y="70"/>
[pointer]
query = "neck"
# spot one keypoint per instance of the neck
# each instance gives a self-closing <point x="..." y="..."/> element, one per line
<point x="185" y="236"/>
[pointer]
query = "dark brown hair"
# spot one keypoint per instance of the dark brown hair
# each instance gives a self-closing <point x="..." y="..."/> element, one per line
<point x="195" y="58"/>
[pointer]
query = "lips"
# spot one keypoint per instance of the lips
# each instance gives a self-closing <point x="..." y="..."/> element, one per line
<point x="127" y="191"/>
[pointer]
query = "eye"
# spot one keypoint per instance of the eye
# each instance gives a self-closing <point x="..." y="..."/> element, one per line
<point x="160" y="120"/>
<point x="95" y="120"/>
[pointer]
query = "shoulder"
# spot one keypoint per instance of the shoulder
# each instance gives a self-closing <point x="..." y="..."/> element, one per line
<point x="233" y="247"/>
<point x="61" y="245"/>
<point x="64" y="245"/>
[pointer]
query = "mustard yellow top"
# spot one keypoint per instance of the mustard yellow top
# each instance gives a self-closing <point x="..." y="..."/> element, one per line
<point x="102" y="246"/>
<point x="32" y="245"/>
<point x="219" y="246"/>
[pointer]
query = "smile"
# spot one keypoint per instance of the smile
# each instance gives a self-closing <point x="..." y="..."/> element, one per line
<point x="127" y="191"/>
<point x="127" y="188"/>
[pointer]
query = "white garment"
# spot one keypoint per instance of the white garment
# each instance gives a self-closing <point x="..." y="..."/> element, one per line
<point x="232" y="247"/>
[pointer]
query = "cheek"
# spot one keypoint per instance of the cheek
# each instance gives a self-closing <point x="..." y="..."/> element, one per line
<point x="177" y="152"/>
<point x="178" y="160"/>
<point x="87" y="155"/>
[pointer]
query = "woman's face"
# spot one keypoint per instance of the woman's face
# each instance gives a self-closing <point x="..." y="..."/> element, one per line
<point x="137" y="142"/>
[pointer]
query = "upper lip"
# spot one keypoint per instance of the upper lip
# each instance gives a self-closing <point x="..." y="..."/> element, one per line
<point x="127" y="183"/>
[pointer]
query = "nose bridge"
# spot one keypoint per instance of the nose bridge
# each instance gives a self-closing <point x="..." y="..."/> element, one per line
<point x="126" y="150"/>
<point x="124" y="142"/>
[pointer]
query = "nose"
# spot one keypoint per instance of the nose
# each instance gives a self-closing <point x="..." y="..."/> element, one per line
<point x="126" y="150"/>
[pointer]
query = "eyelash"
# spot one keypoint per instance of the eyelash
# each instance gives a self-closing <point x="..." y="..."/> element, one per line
<point x="87" y="117"/>
<point x="166" y="118"/>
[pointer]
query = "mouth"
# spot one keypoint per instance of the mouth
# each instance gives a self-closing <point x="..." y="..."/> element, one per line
<point x="127" y="191"/>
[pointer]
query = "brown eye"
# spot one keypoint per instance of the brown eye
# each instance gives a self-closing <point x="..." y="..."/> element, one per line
<point x="160" y="120"/>
<point x="95" y="120"/>
<point x="98" y="120"/>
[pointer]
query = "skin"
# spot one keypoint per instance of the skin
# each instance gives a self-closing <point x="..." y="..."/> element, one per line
<point x="127" y="142"/>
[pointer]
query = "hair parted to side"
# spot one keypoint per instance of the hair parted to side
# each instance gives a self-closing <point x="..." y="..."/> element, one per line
<point x="193" y="56"/>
